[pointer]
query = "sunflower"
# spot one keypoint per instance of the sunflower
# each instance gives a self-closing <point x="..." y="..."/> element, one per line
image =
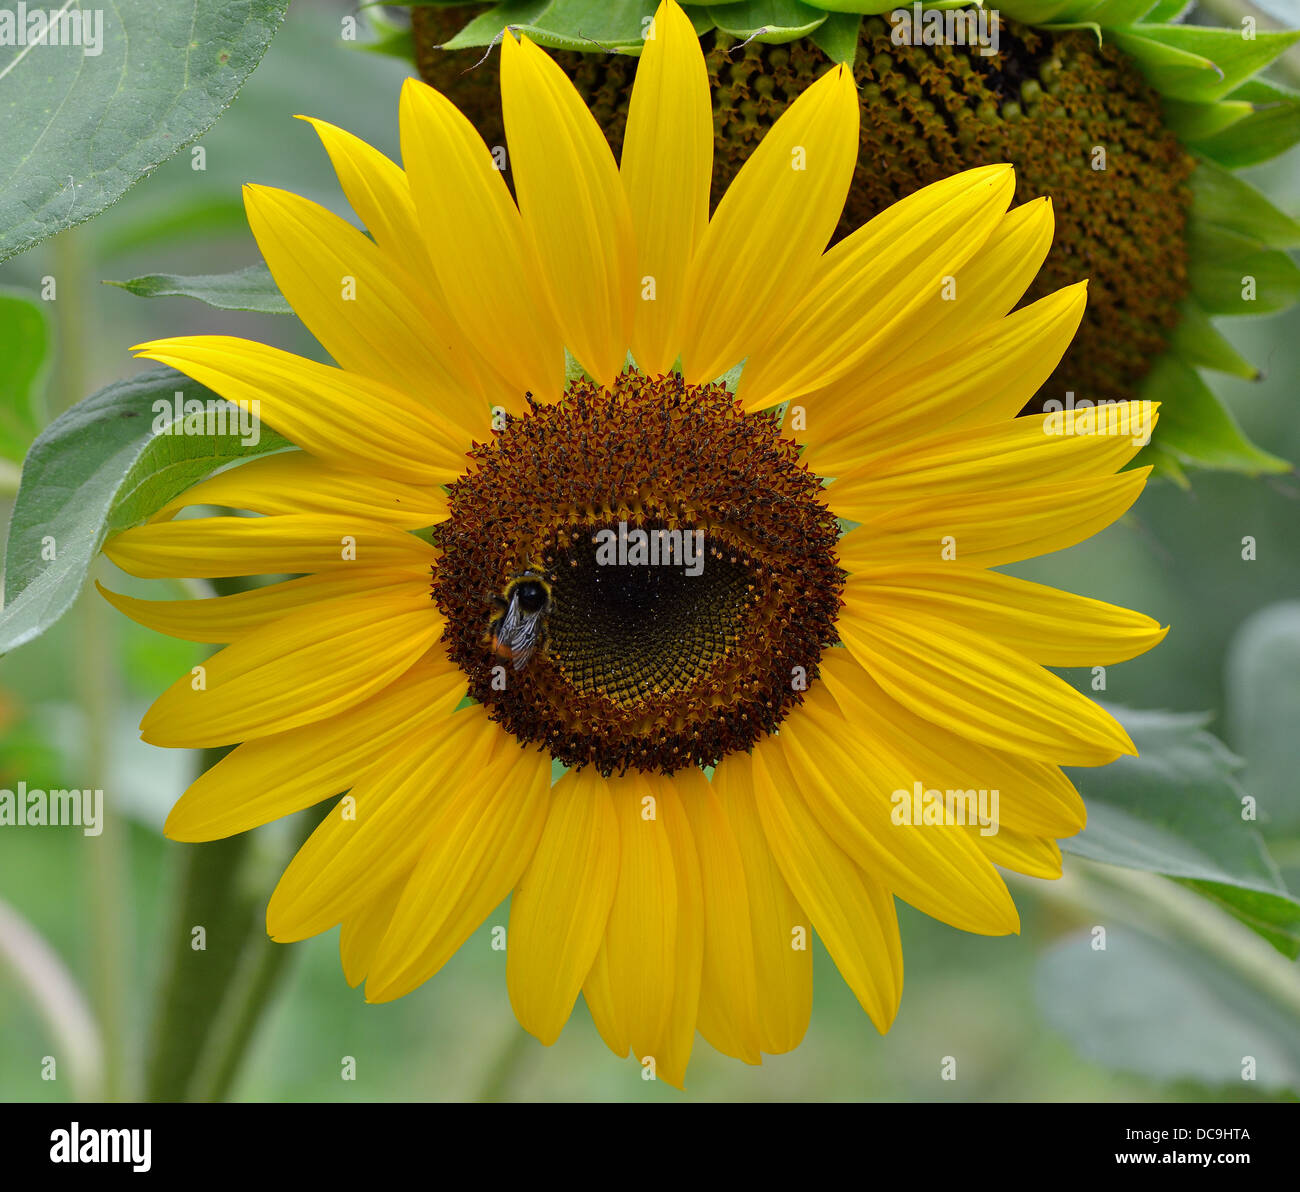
<point x="740" y="727"/>
<point x="1133" y="123"/>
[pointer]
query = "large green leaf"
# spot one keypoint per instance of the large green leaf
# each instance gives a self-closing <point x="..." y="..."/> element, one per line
<point x="85" y="122"/>
<point x="24" y="344"/>
<point x="1158" y="1009"/>
<point x="99" y="468"/>
<point x="1177" y="809"/>
<point x="251" y="289"/>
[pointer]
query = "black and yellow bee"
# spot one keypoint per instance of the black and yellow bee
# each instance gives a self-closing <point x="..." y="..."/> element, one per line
<point x="518" y="623"/>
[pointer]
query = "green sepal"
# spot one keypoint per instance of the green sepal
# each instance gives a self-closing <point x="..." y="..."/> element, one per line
<point x="251" y="289"/>
<point x="1194" y="426"/>
<point x="1200" y="343"/>
<point x="1272" y="127"/>
<point x="1225" y="201"/>
<point x="1219" y="261"/>
<point x="837" y="37"/>
<point x="1194" y="122"/>
<point x="1192" y="62"/>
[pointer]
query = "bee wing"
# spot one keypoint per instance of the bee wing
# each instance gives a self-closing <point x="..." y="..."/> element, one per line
<point x="525" y="640"/>
<point x="518" y="633"/>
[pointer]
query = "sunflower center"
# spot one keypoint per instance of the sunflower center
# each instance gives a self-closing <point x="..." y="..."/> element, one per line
<point x="688" y="564"/>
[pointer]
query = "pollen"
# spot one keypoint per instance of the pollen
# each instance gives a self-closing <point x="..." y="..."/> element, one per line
<point x="694" y="576"/>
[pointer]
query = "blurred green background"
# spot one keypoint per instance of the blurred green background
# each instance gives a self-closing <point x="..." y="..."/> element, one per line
<point x="994" y="1004"/>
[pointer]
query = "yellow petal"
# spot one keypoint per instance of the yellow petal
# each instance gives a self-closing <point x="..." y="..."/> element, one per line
<point x="377" y="833"/>
<point x="986" y="378"/>
<point x="1034" y="797"/>
<point x="477" y="245"/>
<point x="296" y="671"/>
<point x="366" y="312"/>
<point x="770" y="228"/>
<point x="630" y="987"/>
<point x="1044" y="624"/>
<point x="362" y="929"/>
<point x="212" y="547"/>
<point x="673" y="1051"/>
<point x="995" y="527"/>
<point x="853" y="915"/>
<point x="296" y="482"/>
<point x="1034" y="856"/>
<point x="1034" y="449"/>
<point x="850" y="776"/>
<point x="728" y="1016"/>
<point x="480" y="840"/>
<point x="224" y="619"/>
<point x="879" y="292"/>
<point x="353" y="421"/>
<point x="559" y="910"/>
<point x="667" y="169"/>
<point x="973" y="686"/>
<point x="378" y="192"/>
<point x="274" y="776"/>
<point x="783" y="970"/>
<point x="573" y="206"/>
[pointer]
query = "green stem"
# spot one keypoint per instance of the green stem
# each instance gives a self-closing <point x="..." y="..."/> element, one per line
<point x="205" y="942"/>
<point x="106" y="858"/>
<point x="496" y="1086"/>
<point x="262" y="966"/>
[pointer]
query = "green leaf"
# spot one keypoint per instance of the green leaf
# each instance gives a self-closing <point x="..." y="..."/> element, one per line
<point x="252" y="289"/>
<point x="1176" y="809"/>
<point x="24" y="345"/>
<point x="1220" y="261"/>
<point x="1195" y="427"/>
<point x="99" y="468"/>
<point x="1225" y="201"/>
<point x="83" y="125"/>
<point x="1263" y="687"/>
<point x="1201" y="344"/>
<point x="779" y="20"/>
<point x="1272" y="127"/>
<point x="1158" y="1009"/>
<point x="485" y="28"/>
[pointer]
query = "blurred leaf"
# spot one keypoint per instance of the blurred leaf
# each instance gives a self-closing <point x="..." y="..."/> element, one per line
<point x="1158" y="1009"/>
<point x="837" y="37"/>
<point x="252" y="289"/>
<point x="81" y="127"/>
<point x="99" y="468"/>
<point x="1263" y="680"/>
<point x="24" y="344"/>
<point x="1176" y="809"/>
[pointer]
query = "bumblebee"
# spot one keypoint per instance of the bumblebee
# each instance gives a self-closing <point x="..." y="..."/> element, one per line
<point x="518" y="623"/>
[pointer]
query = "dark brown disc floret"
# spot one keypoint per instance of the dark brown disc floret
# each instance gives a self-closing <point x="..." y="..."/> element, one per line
<point x="690" y="563"/>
